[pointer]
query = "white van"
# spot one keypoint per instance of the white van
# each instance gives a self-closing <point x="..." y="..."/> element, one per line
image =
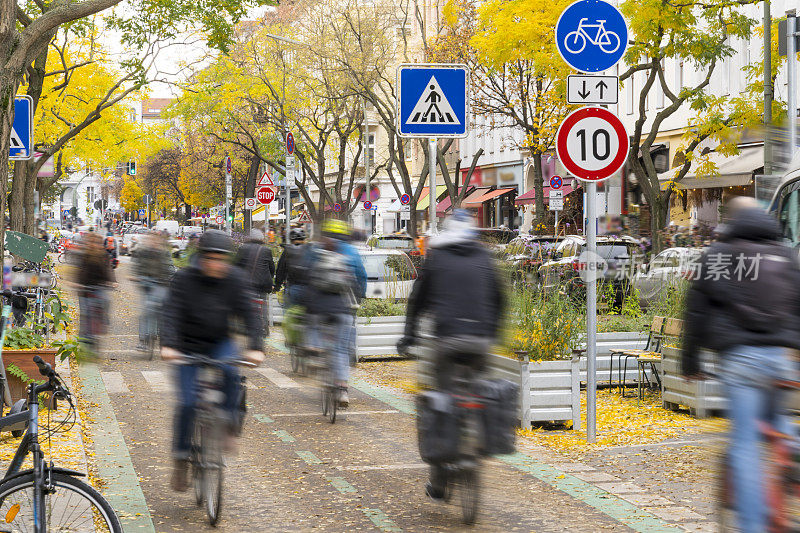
<point x="390" y="274"/>
<point x="170" y="226"/>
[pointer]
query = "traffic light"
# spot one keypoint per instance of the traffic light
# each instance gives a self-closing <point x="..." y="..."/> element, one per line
<point x="131" y="168"/>
<point x="231" y="212"/>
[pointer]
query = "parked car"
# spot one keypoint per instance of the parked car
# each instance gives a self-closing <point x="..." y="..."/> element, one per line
<point x="170" y="226"/>
<point x="129" y="239"/>
<point x="562" y="271"/>
<point x="390" y="274"/>
<point x="397" y="241"/>
<point x="652" y="279"/>
<point x="526" y="253"/>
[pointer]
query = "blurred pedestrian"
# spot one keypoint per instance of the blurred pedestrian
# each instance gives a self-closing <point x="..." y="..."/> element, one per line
<point x="94" y="277"/>
<point x="255" y="259"/>
<point x="290" y="271"/>
<point x="744" y="303"/>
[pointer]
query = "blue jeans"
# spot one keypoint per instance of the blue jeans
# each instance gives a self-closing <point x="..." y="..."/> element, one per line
<point x="332" y="335"/>
<point x="188" y="392"/>
<point x="749" y="374"/>
<point x="153" y="295"/>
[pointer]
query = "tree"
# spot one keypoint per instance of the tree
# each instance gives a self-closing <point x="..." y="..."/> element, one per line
<point x="695" y="32"/>
<point x="131" y="195"/>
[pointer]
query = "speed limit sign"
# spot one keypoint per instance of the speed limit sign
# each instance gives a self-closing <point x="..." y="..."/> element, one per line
<point x="592" y="143"/>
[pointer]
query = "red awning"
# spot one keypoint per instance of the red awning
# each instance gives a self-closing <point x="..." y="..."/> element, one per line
<point x="530" y="196"/>
<point x="490" y="195"/>
<point x="443" y="206"/>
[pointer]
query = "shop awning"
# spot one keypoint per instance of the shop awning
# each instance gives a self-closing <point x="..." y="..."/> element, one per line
<point x="423" y="203"/>
<point x="530" y="196"/>
<point x="490" y="195"/>
<point x="443" y="206"/>
<point x="731" y="171"/>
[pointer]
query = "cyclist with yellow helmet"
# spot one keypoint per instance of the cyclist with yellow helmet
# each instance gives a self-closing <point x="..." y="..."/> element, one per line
<point x="336" y="282"/>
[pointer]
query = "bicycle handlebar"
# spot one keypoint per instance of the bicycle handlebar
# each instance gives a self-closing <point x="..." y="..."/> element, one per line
<point x="44" y="368"/>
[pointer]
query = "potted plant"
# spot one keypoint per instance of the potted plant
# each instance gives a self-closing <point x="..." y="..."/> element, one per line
<point x="20" y="346"/>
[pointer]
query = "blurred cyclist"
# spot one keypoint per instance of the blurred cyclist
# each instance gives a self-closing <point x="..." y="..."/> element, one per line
<point x="290" y="266"/>
<point x="152" y="268"/>
<point x="94" y="277"/>
<point x="337" y="281"/>
<point x="202" y="300"/>
<point x="255" y="259"/>
<point x="745" y="304"/>
<point x="459" y="287"/>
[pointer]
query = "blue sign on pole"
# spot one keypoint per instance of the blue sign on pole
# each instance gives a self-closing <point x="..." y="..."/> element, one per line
<point x="21" y="146"/>
<point x="591" y="35"/>
<point x="432" y="100"/>
<point x="142" y="213"/>
<point x="65" y="213"/>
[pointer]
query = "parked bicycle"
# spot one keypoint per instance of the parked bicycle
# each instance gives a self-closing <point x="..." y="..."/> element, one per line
<point x="207" y="456"/>
<point x="47" y="497"/>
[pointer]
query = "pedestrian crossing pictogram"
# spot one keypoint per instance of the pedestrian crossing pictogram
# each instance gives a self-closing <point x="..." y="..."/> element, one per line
<point x="433" y="107"/>
<point x="16" y="140"/>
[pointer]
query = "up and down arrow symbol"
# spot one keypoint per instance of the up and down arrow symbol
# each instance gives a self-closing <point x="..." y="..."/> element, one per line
<point x="584" y="93"/>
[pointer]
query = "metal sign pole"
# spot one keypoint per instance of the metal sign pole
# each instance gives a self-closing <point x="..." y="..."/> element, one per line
<point x="791" y="78"/>
<point x="288" y="176"/>
<point x="556" y="225"/>
<point x="433" y="150"/>
<point x="591" y="313"/>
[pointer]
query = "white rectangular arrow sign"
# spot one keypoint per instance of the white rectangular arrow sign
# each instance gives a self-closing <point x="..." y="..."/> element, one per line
<point x="583" y="89"/>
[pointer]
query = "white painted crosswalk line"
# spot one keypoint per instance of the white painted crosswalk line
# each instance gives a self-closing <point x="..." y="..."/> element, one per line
<point x="114" y="382"/>
<point x="157" y="380"/>
<point x="277" y="378"/>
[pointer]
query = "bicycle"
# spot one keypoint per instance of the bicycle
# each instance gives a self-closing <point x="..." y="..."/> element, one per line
<point x="330" y="392"/>
<point x="46" y="497"/>
<point x="463" y="473"/>
<point x="151" y="310"/>
<point x="604" y="39"/>
<point x="206" y="454"/>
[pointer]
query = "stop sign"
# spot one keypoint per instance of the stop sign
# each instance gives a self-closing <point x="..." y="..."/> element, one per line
<point x="265" y="195"/>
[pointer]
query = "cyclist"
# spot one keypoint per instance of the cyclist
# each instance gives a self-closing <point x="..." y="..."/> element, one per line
<point x="290" y="266"/>
<point x="459" y="287"/>
<point x="336" y="283"/>
<point x="743" y="303"/>
<point x="94" y="276"/>
<point x="152" y="267"/>
<point x="255" y="259"/>
<point x="202" y="300"/>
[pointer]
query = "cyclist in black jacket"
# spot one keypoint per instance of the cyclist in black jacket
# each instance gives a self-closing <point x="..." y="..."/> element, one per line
<point x="196" y="319"/>
<point x="459" y="286"/>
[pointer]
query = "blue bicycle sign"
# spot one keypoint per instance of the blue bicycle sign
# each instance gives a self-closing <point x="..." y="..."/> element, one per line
<point x="591" y="35"/>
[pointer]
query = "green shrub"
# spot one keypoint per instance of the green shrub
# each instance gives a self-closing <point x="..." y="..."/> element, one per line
<point x="20" y="338"/>
<point x="372" y="307"/>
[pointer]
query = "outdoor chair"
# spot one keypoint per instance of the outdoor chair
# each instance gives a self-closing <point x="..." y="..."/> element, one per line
<point x="652" y="346"/>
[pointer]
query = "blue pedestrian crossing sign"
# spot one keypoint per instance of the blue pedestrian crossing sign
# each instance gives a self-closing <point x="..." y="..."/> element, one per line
<point x="21" y="143"/>
<point x="591" y="35"/>
<point x="142" y="213"/>
<point x="432" y="100"/>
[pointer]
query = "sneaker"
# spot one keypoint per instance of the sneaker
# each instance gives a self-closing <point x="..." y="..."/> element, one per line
<point x="179" y="475"/>
<point x="437" y="495"/>
<point x="344" y="400"/>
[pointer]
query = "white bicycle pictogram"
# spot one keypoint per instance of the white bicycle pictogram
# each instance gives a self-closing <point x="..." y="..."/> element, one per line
<point x="607" y="41"/>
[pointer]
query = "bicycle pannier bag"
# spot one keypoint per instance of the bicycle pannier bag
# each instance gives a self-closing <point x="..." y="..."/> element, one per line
<point x="437" y="427"/>
<point x="499" y="415"/>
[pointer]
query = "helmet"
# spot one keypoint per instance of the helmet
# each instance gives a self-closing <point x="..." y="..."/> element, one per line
<point x="335" y="228"/>
<point x="297" y="234"/>
<point x="215" y="241"/>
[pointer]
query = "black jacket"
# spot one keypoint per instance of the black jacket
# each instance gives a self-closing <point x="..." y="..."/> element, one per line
<point x="256" y="261"/>
<point x="290" y="266"/>
<point x="198" y="311"/>
<point x="459" y="286"/>
<point x="759" y="302"/>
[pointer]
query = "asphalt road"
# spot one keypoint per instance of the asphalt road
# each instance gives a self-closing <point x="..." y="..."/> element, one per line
<point x="294" y="471"/>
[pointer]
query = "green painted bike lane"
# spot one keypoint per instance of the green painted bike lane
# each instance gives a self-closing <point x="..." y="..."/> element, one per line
<point x="111" y="456"/>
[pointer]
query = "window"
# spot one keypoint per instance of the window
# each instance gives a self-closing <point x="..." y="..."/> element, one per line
<point x="371" y="149"/>
<point x="629" y="90"/>
<point x="408" y="148"/>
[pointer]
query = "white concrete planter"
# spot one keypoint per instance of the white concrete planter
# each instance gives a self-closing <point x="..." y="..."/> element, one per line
<point x="378" y="335"/>
<point x="627" y="340"/>
<point x="701" y="397"/>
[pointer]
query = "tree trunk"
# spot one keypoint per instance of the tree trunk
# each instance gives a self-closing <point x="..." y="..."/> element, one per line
<point x="659" y="211"/>
<point x="29" y="226"/>
<point x="538" y="185"/>
<point x="17" y="207"/>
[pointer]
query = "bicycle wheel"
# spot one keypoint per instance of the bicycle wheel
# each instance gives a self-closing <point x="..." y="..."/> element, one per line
<point x="213" y="467"/>
<point x="295" y="360"/>
<point x="575" y="42"/>
<point x="72" y="506"/>
<point x="325" y="400"/>
<point x="333" y="402"/>
<point x="469" y="494"/>
<point x="198" y="477"/>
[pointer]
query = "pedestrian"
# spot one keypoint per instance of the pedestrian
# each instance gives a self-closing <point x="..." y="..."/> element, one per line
<point x="94" y="277"/>
<point x="744" y="303"/>
<point x="255" y="259"/>
<point x="152" y="268"/>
